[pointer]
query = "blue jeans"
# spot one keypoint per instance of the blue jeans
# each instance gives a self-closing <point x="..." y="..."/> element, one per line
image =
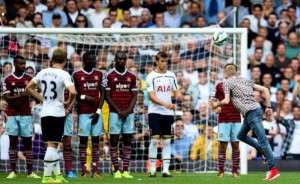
<point x="253" y="121"/>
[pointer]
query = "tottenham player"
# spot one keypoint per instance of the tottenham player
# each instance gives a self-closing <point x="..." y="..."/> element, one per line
<point x="160" y="85"/>
<point x="88" y="82"/>
<point x="19" y="122"/>
<point x="53" y="80"/>
<point x="121" y="95"/>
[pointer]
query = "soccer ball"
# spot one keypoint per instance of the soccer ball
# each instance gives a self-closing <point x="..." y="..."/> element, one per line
<point x="220" y="38"/>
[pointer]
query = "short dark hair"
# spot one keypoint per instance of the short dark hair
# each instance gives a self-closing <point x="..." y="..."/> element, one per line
<point x="59" y="55"/>
<point x="161" y="54"/>
<point x="18" y="57"/>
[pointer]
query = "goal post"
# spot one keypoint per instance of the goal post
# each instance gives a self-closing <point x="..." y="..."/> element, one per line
<point x="147" y="43"/>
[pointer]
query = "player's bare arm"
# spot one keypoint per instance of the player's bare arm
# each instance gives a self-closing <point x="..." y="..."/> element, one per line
<point x="10" y="98"/>
<point x="225" y="101"/>
<point x="132" y="104"/>
<point x="95" y="116"/>
<point x="111" y="102"/>
<point x="30" y="88"/>
<point x="178" y="95"/>
<point x="156" y="100"/>
<point x="72" y="97"/>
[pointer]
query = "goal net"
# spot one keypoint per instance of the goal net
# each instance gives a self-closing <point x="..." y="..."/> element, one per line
<point x="196" y="61"/>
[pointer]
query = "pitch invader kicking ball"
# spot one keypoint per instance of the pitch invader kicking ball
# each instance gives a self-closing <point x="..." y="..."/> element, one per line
<point x="19" y="121"/>
<point x="88" y="82"/>
<point x="121" y="95"/>
<point x="160" y="85"/>
<point x="53" y="80"/>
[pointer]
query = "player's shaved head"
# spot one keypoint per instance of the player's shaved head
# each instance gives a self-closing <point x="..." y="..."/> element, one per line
<point x="121" y="54"/>
<point x="59" y="55"/>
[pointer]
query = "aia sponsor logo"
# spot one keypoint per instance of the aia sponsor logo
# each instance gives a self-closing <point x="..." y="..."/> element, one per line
<point x="163" y="89"/>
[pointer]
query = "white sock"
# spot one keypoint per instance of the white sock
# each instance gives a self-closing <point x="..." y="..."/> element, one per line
<point x="56" y="168"/>
<point x="153" y="153"/>
<point x="49" y="161"/>
<point x="166" y="154"/>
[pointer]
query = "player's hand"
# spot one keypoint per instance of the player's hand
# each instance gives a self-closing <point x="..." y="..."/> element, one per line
<point x="68" y="111"/>
<point x="269" y="114"/>
<point x="4" y="115"/>
<point x="124" y="114"/>
<point x="218" y="110"/>
<point x="95" y="118"/>
<point x="179" y="97"/>
<point x="23" y="94"/>
<point x="90" y="99"/>
<point x="213" y="104"/>
<point x="169" y="106"/>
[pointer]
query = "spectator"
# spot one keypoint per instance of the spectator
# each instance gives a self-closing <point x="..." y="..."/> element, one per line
<point x="180" y="146"/>
<point x="113" y="18"/>
<point x="256" y="18"/>
<point x="189" y="70"/>
<point x="7" y="69"/>
<point x="295" y="65"/>
<point x="37" y="18"/>
<point x="158" y="20"/>
<point x="194" y="12"/>
<point x="284" y="6"/>
<point x="126" y="17"/>
<point x="182" y="7"/>
<point x="266" y="80"/>
<point x="106" y="23"/>
<point x="160" y="7"/>
<point x="4" y="56"/>
<point x="171" y="17"/>
<point x="281" y="61"/>
<point x="251" y="35"/>
<point x="256" y="74"/>
<point x="39" y="7"/>
<point x="211" y="9"/>
<point x="204" y="117"/>
<point x="281" y="35"/>
<point x="242" y="12"/>
<point x="4" y="141"/>
<point x="222" y="19"/>
<point x="81" y="21"/>
<point x="30" y="11"/>
<point x="71" y="11"/>
<point x="96" y="18"/>
<point x="272" y="28"/>
<point x="200" y="21"/>
<point x="285" y="86"/>
<point x="56" y="21"/>
<point x="52" y="9"/>
<point x="114" y="4"/>
<point x="293" y="46"/>
<point x="205" y="146"/>
<point x="190" y="129"/>
<point x="86" y="9"/>
<point x="134" y="21"/>
<point x="259" y="43"/>
<point x="136" y="9"/>
<point x="267" y="8"/>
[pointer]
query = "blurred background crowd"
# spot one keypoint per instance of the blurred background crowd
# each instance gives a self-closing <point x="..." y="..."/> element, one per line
<point x="273" y="61"/>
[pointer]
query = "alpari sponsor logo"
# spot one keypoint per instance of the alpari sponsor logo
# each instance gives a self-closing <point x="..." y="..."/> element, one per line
<point x="122" y="87"/>
<point x="90" y="85"/>
<point x="19" y="90"/>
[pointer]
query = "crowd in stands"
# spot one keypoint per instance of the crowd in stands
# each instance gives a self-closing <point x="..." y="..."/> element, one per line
<point x="273" y="60"/>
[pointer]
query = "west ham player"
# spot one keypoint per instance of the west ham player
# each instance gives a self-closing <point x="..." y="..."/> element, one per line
<point x="228" y="127"/>
<point x="19" y="121"/>
<point x="67" y="140"/>
<point x="53" y="80"/>
<point x="90" y="98"/>
<point x="121" y="95"/>
<point x="160" y="85"/>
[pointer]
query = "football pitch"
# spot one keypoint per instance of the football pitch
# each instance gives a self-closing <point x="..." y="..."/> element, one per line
<point x="178" y="178"/>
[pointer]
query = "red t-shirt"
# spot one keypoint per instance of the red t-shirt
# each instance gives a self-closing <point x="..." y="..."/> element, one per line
<point x="14" y="85"/>
<point x="121" y="87"/>
<point x="229" y="113"/>
<point x="88" y="84"/>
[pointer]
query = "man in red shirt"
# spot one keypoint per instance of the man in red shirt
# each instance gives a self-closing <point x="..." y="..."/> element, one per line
<point x="229" y="124"/>
<point x="19" y="121"/>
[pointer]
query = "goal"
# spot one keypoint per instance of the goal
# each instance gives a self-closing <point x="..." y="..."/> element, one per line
<point x="193" y="56"/>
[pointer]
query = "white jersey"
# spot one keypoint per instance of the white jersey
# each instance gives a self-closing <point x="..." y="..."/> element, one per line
<point x="53" y="82"/>
<point x="162" y="84"/>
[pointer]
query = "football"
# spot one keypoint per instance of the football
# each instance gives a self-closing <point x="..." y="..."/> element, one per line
<point x="220" y="38"/>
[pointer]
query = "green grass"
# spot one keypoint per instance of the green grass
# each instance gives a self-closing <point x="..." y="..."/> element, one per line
<point x="182" y="178"/>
